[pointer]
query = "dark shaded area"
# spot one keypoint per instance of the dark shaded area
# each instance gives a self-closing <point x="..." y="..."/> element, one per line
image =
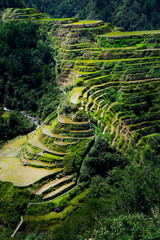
<point x="11" y="3"/>
<point x="14" y="124"/>
<point x="27" y="69"/>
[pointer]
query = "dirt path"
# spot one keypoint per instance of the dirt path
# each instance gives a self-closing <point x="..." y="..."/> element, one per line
<point x="17" y="227"/>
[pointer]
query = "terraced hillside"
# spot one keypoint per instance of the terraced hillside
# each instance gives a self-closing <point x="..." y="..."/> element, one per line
<point x="111" y="83"/>
<point x="124" y="99"/>
<point x="119" y="84"/>
<point x="116" y="76"/>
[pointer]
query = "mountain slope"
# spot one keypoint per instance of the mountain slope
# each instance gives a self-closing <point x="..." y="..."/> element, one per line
<point x="100" y="143"/>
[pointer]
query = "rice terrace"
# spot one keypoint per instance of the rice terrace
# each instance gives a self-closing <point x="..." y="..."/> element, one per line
<point x="91" y="169"/>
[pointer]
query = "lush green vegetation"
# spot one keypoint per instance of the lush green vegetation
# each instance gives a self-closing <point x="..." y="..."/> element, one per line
<point x="101" y="153"/>
<point x="13" y="124"/>
<point x="11" y="3"/>
<point x="123" y="203"/>
<point x="131" y="15"/>
<point x="27" y="69"/>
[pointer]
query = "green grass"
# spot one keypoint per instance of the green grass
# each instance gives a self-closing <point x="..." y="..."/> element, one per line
<point x="81" y="22"/>
<point x="53" y="215"/>
<point x="13" y="171"/>
<point x="110" y="60"/>
<point x="79" y="49"/>
<point x="75" y="94"/>
<point x="56" y="19"/>
<point x="121" y="34"/>
<point x="147" y="137"/>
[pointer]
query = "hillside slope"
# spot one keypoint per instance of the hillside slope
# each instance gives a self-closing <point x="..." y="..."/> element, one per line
<point x="108" y="118"/>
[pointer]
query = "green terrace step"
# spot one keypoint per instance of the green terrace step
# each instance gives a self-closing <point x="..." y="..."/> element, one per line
<point x="22" y="14"/>
<point x="94" y="62"/>
<point x="86" y="69"/>
<point x="94" y="87"/>
<point x="84" y="24"/>
<point x="59" y="20"/>
<point x="141" y="92"/>
<point x="147" y="137"/>
<point x="36" y="143"/>
<point x="91" y="54"/>
<point x="53" y="183"/>
<point x="95" y="101"/>
<point x="66" y="120"/>
<point x="101" y="78"/>
<point x="105" y="28"/>
<point x="80" y="49"/>
<point x="83" y="74"/>
<point x="154" y="109"/>
<point x="142" y="125"/>
<point x="124" y="39"/>
<point x="86" y="75"/>
<point x="93" y="98"/>
<point x="140" y="69"/>
<point x="129" y="54"/>
<point x="118" y="48"/>
<point x="60" y="190"/>
<point x="80" y="131"/>
<point x="49" y="158"/>
<point x="153" y="129"/>
<point x="65" y="137"/>
<point x="124" y="84"/>
<point x="112" y="105"/>
<point x="35" y="163"/>
<point x="151" y="116"/>
<point x="115" y="119"/>
<point x="127" y="34"/>
<point x="141" y="64"/>
<point x="82" y="45"/>
<point x="61" y="143"/>
<point x="135" y="87"/>
<point x="91" y="102"/>
<point x="70" y="41"/>
<point x="33" y="209"/>
<point x="140" y="97"/>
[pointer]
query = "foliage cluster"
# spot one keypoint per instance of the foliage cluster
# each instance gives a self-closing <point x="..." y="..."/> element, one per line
<point x="101" y="159"/>
<point x="11" y="3"/>
<point x="27" y="69"/>
<point x="123" y="202"/>
<point x="13" y="202"/>
<point x="14" y="124"/>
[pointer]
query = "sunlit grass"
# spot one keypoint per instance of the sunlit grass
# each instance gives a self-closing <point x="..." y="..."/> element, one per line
<point x="81" y="22"/>
<point x="119" y="34"/>
<point x="75" y="94"/>
<point x="12" y="170"/>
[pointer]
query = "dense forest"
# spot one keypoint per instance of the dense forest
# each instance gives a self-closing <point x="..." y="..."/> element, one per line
<point x="11" y="3"/>
<point x="27" y="69"/>
<point x="131" y="15"/>
<point x="27" y="81"/>
<point x="13" y="124"/>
